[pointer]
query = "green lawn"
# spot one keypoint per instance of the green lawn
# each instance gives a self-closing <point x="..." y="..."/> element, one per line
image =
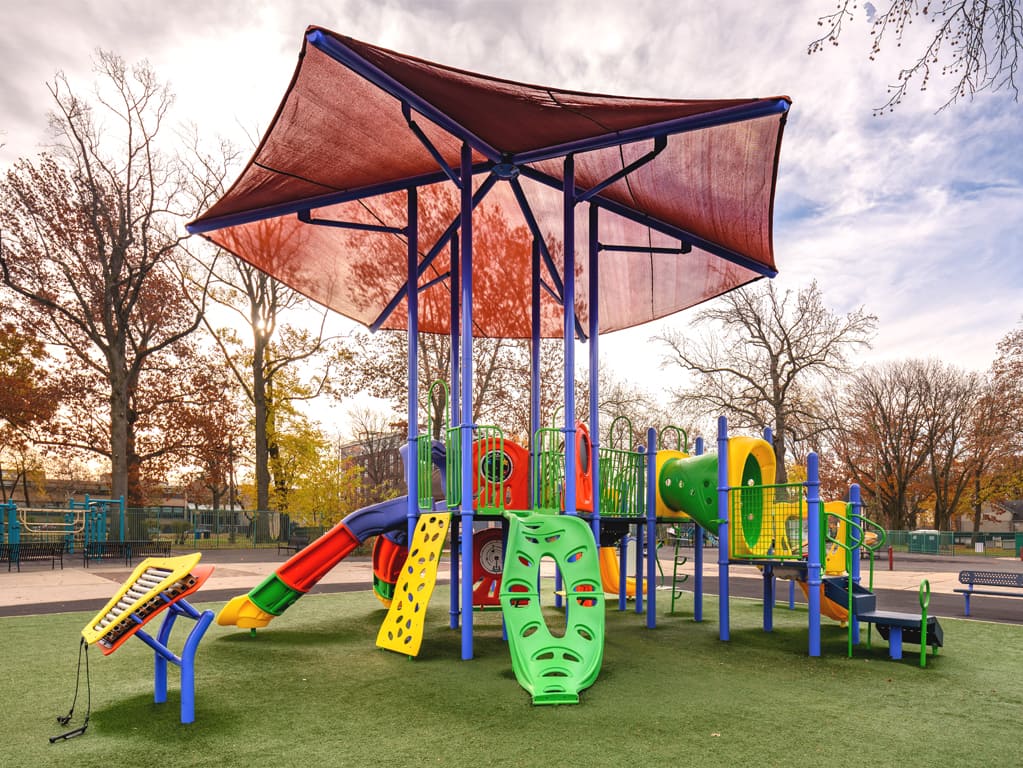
<point x="312" y="690"/>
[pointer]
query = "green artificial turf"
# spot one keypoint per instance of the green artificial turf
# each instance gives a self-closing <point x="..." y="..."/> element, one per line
<point x="312" y="690"/>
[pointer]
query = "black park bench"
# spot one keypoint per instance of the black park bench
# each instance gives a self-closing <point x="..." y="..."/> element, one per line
<point x="1004" y="579"/>
<point x="294" y="543"/>
<point x="125" y="551"/>
<point x="15" y="553"/>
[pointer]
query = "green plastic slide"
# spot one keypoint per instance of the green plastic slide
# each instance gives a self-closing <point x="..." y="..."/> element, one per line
<point x="553" y="669"/>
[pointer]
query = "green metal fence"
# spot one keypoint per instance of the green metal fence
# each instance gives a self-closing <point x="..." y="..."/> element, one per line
<point x="956" y="543"/>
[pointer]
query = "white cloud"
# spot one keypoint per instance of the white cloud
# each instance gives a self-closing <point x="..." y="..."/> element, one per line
<point x="914" y="214"/>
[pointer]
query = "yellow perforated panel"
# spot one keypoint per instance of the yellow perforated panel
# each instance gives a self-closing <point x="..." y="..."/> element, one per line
<point x="402" y="630"/>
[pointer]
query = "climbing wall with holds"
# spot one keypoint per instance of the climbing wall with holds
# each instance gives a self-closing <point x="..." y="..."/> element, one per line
<point x="553" y="669"/>
<point x="402" y="631"/>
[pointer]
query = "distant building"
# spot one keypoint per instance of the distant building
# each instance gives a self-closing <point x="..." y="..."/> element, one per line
<point x="996" y="517"/>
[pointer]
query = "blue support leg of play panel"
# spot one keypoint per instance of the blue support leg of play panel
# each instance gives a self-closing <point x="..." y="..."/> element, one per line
<point x="895" y="642"/>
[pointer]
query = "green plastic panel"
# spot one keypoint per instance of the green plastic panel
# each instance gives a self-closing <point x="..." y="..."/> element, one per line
<point x="553" y="669"/>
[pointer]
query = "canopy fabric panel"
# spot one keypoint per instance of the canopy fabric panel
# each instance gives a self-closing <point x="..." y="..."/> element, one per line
<point x="342" y="148"/>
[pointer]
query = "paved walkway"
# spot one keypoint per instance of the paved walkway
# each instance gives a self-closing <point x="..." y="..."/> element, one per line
<point x="38" y="589"/>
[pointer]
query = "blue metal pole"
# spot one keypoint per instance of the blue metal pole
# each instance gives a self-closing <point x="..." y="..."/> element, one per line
<point x="568" y="235"/>
<point x="534" y="364"/>
<point x="698" y="557"/>
<point x="769" y="580"/>
<point x="813" y="564"/>
<point x="412" y="233"/>
<point x="466" y="415"/>
<point x="594" y="325"/>
<point x="456" y="410"/>
<point x="723" y="630"/>
<point x="857" y="518"/>
<point x="651" y="528"/>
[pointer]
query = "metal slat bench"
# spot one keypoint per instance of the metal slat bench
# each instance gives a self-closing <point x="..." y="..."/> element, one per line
<point x="32" y="550"/>
<point x="1005" y="579"/>
<point x="125" y="551"/>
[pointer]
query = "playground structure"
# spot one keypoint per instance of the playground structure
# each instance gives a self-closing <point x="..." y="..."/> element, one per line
<point x="81" y="523"/>
<point x="678" y="199"/>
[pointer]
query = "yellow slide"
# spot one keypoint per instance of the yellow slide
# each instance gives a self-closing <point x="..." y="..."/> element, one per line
<point x="610" y="575"/>
<point x="829" y="607"/>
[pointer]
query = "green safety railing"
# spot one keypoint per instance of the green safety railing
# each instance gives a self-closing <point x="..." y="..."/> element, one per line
<point x="766" y="521"/>
<point x="424" y="449"/>
<point x="622" y="483"/>
<point x="492" y="470"/>
<point x="453" y="465"/>
<point x="548" y="469"/>
<point x="681" y="439"/>
<point x="850" y="543"/>
<point x="925" y="601"/>
<point x="850" y="527"/>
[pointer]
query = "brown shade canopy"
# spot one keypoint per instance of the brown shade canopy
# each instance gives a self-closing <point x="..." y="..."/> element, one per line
<point x="359" y="125"/>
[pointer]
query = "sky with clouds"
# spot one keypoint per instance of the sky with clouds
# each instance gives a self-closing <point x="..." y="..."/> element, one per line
<point x="915" y="215"/>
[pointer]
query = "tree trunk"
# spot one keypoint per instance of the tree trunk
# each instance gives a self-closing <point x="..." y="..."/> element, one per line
<point x="781" y="473"/>
<point x="120" y="442"/>
<point x="977" y="505"/>
<point x="259" y="406"/>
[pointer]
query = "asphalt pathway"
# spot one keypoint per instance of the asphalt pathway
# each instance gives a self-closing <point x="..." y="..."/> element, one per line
<point x="41" y="590"/>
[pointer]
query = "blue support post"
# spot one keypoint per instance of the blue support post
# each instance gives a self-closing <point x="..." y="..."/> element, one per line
<point x="698" y="557"/>
<point x="769" y="580"/>
<point x="651" y="529"/>
<point x="568" y="236"/>
<point x="856" y="517"/>
<point x="412" y="303"/>
<point x="813" y="563"/>
<point x="466" y="388"/>
<point x="568" y="314"/>
<point x="723" y="629"/>
<point x="623" y="570"/>
<point x="594" y="328"/>
<point x="534" y="363"/>
<point x="455" y="406"/>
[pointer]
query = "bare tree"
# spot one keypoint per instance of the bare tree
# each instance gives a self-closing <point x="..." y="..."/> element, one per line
<point x="976" y="42"/>
<point x="265" y="366"/>
<point x="951" y="397"/>
<point x="90" y="243"/>
<point x="879" y="434"/>
<point x="759" y="356"/>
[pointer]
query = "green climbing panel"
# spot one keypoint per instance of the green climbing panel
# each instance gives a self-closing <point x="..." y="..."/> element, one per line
<point x="553" y="669"/>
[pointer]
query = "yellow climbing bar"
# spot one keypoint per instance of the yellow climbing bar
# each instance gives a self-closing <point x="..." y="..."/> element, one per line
<point x="402" y="630"/>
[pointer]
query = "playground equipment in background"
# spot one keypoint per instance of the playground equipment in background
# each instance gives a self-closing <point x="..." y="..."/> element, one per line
<point x="389" y="553"/>
<point x="610" y="574"/>
<point x="83" y="522"/>
<point x="488" y="567"/>
<point x="155" y="586"/>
